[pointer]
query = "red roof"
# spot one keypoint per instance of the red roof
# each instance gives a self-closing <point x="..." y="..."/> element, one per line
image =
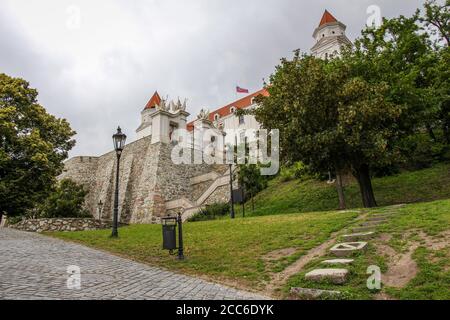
<point x="154" y="101"/>
<point x="239" y="104"/>
<point x="327" y="18"/>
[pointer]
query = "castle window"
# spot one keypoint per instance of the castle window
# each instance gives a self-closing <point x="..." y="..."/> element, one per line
<point x="241" y="120"/>
<point x="216" y="117"/>
<point x="242" y="137"/>
<point x="232" y="110"/>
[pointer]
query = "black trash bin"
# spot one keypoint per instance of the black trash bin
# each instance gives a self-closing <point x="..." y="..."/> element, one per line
<point x="169" y="225"/>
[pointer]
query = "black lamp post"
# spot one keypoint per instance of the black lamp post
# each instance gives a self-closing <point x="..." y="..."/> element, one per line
<point x="119" y="140"/>
<point x="100" y="207"/>
<point x="230" y="157"/>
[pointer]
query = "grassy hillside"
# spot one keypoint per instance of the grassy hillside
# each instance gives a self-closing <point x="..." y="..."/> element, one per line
<point x="295" y="196"/>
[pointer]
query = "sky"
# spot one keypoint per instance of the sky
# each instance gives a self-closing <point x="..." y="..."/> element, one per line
<point x="97" y="63"/>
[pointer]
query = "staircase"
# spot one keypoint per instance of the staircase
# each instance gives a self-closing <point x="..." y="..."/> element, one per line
<point x="192" y="206"/>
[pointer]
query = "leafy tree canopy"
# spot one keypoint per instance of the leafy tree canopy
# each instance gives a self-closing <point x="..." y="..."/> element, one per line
<point x="33" y="146"/>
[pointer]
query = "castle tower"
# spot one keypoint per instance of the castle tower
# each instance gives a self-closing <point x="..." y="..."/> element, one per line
<point x="330" y="37"/>
<point x="161" y="118"/>
<point x="145" y="129"/>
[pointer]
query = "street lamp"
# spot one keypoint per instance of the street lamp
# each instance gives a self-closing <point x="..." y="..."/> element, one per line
<point x="119" y="143"/>
<point x="100" y="207"/>
<point x="230" y="159"/>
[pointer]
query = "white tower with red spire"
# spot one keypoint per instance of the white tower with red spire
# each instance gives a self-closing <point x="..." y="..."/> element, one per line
<point x="161" y="118"/>
<point x="330" y="37"/>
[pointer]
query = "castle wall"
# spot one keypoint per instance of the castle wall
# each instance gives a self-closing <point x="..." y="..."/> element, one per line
<point x="148" y="179"/>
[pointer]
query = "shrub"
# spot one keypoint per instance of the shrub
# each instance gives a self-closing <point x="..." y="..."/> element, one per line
<point x="424" y="152"/>
<point x="66" y="201"/>
<point x="211" y="212"/>
<point x="297" y="171"/>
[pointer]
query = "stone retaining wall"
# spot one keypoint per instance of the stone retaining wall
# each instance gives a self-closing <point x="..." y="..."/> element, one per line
<point x="59" y="224"/>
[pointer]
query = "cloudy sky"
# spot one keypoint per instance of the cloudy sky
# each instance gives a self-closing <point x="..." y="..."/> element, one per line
<point x="96" y="63"/>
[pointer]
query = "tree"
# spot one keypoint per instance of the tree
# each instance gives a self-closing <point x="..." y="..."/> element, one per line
<point x="33" y="146"/>
<point x="250" y="178"/>
<point x="66" y="201"/>
<point x="437" y="19"/>
<point x="329" y="119"/>
<point x="402" y="54"/>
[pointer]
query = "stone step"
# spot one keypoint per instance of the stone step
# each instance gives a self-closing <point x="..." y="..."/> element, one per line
<point x="335" y="276"/>
<point x="374" y="219"/>
<point x="371" y="224"/>
<point x="359" y="236"/>
<point x="313" y="294"/>
<point x="364" y="229"/>
<point x="348" y="248"/>
<point x="338" y="261"/>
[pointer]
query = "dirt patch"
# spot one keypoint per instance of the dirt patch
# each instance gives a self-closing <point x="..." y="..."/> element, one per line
<point x="278" y="254"/>
<point x="385" y="237"/>
<point x="439" y="242"/>
<point x="401" y="266"/>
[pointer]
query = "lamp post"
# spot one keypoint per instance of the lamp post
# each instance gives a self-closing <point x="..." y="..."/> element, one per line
<point x="230" y="158"/>
<point x="119" y="143"/>
<point x="100" y="207"/>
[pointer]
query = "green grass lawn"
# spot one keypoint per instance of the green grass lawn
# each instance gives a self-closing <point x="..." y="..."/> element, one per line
<point x="295" y="196"/>
<point x="231" y="251"/>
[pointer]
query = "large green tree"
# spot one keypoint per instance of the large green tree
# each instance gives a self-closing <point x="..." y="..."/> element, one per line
<point x="330" y="119"/>
<point x="33" y="146"/>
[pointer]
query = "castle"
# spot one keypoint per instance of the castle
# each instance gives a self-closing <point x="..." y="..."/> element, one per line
<point x="151" y="185"/>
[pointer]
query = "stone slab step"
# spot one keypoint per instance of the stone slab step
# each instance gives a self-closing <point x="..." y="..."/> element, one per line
<point x="348" y="248"/>
<point x="371" y="223"/>
<point x="338" y="261"/>
<point x="375" y="219"/>
<point x="335" y="276"/>
<point x="313" y="294"/>
<point x="359" y="236"/>
<point x="364" y="229"/>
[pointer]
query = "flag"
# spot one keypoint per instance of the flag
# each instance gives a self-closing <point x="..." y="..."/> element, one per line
<point x="241" y="90"/>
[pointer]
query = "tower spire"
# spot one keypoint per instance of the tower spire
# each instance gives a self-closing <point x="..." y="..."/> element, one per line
<point x="327" y="18"/>
<point x="154" y="101"/>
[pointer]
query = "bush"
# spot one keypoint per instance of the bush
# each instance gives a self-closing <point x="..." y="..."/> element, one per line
<point x="13" y="220"/>
<point x="66" y="201"/>
<point x="211" y="212"/>
<point x="297" y="171"/>
<point x="424" y="152"/>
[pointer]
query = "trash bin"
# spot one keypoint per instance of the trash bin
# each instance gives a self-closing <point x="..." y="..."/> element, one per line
<point x="169" y="225"/>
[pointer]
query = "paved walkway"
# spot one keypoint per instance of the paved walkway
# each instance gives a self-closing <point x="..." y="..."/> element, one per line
<point x="33" y="266"/>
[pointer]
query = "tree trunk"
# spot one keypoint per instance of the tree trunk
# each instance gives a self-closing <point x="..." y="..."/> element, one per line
<point x="253" y="203"/>
<point x="365" y="185"/>
<point x="431" y="133"/>
<point x="446" y="129"/>
<point x="340" y="190"/>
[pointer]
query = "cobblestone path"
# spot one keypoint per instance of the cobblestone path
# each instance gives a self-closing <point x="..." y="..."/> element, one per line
<point x="33" y="266"/>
